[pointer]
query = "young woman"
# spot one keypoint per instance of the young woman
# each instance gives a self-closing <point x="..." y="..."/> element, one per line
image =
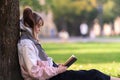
<point x="36" y="65"/>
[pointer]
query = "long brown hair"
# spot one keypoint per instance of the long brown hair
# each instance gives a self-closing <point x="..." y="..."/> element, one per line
<point x="31" y="18"/>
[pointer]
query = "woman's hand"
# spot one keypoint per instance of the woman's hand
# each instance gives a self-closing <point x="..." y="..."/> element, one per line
<point x="39" y="63"/>
<point x="62" y="68"/>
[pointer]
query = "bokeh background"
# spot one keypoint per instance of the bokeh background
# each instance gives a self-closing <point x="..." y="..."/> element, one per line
<point x="101" y="16"/>
<point x="89" y="29"/>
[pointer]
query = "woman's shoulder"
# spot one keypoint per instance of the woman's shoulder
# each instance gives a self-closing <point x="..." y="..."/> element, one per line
<point x="25" y="42"/>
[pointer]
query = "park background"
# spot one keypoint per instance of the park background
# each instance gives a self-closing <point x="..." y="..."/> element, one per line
<point x="61" y="35"/>
<point x="99" y="49"/>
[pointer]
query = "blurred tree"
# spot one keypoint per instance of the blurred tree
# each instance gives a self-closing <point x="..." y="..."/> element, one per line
<point x="71" y="13"/>
<point x="108" y="14"/>
<point x="110" y="9"/>
<point x="101" y="1"/>
<point x="9" y="34"/>
<point x="116" y="9"/>
<point x="35" y="4"/>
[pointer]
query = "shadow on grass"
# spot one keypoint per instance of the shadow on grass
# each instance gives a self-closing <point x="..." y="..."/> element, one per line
<point x="88" y="58"/>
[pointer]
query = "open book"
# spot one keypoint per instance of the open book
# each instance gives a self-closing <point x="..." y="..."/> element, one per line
<point x="70" y="61"/>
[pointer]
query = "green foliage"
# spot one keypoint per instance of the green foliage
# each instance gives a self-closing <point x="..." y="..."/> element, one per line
<point x="110" y="9"/>
<point x="90" y="55"/>
<point x="108" y="14"/>
<point x="69" y="14"/>
<point x="62" y="7"/>
<point x="116" y="10"/>
<point x="25" y="2"/>
<point x="101" y="1"/>
<point x="32" y="3"/>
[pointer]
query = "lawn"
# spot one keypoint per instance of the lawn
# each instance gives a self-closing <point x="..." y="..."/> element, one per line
<point x="102" y="56"/>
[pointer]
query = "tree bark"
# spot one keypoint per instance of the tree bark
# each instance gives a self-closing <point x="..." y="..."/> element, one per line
<point x="9" y="35"/>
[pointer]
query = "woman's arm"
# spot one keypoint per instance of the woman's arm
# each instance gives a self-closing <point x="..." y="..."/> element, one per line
<point x="36" y="68"/>
<point x="42" y="71"/>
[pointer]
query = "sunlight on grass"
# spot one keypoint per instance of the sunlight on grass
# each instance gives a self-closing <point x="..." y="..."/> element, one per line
<point x="102" y="56"/>
<point x="82" y="51"/>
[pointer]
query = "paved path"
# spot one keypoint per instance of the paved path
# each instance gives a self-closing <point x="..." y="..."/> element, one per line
<point x="79" y="39"/>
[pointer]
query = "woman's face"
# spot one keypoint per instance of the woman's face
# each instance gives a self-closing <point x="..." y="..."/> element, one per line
<point x="38" y="26"/>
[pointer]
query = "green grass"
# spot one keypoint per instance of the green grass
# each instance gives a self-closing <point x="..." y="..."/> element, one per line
<point x="102" y="56"/>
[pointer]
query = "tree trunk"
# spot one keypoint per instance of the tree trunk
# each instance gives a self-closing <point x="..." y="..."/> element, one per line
<point x="9" y="35"/>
